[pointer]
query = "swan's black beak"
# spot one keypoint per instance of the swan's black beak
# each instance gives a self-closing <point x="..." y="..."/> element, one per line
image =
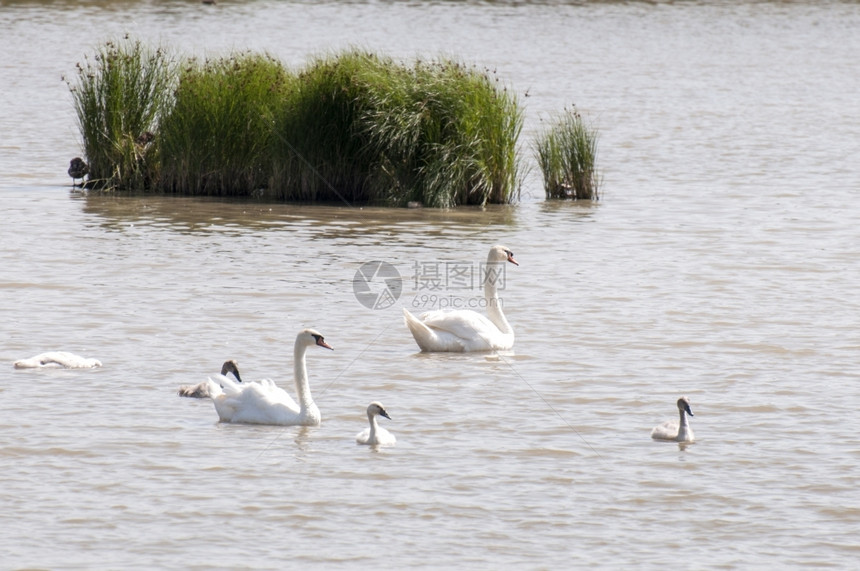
<point x="321" y="342"/>
<point x="238" y="378"/>
<point x="383" y="413"/>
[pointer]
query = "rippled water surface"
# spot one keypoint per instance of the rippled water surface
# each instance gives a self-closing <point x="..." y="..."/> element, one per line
<point x="722" y="263"/>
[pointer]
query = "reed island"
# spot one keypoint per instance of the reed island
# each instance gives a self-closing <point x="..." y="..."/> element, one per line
<point x="352" y="127"/>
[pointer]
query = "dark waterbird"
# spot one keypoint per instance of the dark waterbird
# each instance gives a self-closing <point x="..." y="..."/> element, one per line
<point x="78" y="169"/>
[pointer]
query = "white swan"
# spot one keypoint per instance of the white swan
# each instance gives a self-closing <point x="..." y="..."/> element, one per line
<point x="466" y="330"/>
<point x="263" y="402"/>
<point x="57" y="360"/>
<point x="201" y="390"/>
<point x="676" y="431"/>
<point x="375" y="435"/>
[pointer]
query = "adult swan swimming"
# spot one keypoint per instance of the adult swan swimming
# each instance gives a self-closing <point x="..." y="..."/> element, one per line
<point x="263" y="402"/>
<point x="466" y="330"/>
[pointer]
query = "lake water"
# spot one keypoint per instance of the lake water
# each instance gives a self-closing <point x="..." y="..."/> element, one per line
<point x="722" y="263"/>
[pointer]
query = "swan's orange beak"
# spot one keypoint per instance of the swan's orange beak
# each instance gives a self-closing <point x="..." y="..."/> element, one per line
<point x="321" y="342"/>
<point x="512" y="260"/>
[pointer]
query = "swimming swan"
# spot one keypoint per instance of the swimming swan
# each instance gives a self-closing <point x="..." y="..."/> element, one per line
<point x="375" y="435"/>
<point x="57" y="360"/>
<point x="464" y="329"/>
<point x="201" y="390"/>
<point x="263" y="402"/>
<point x="676" y="431"/>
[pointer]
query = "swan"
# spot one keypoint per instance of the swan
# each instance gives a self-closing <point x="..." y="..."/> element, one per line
<point x="263" y="402"/>
<point x="201" y="390"/>
<point x="676" y="431"/>
<point x="57" y="360"/>
<point x="375" y="435"/>
<point x="464" y="329"/>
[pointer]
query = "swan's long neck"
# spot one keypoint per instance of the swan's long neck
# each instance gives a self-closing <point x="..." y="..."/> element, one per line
<point x="300" y="372"/>
<point x="373" y="427"/>
<point x="493" y="273"/>
<point x="683" y="425"/>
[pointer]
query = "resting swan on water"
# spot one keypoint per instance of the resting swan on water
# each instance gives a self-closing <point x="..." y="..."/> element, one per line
<point x="375" y="435"/>
<point x="676" y="431"/>
<point x="263" y="402"/>
<point x="57" y="360"/>
<point x="465" y="330"/>
<point x="201" y="390"/>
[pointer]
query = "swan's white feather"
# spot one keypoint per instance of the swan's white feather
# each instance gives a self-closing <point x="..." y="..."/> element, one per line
<point x="257" y="402"/>
<point x="463" y="324"/>
<point x="665" y="431"/>
<point x="382" y="437"/>
<point x="456" y="331"/>
<point x="57" y="360"/>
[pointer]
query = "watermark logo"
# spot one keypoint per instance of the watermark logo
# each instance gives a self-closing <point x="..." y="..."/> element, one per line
<point x="377" y="285"/>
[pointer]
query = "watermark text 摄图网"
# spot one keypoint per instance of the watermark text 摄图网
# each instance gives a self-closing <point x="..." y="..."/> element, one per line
<point x="446" y="276"/>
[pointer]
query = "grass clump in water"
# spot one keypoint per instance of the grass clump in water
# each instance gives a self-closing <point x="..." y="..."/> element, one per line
<point x="363" y="128"/>
<point x="566" y="153"/>
<point x="351" y="127"/>
<point x="318" y="153"/>
<point x="118" y="99"/>
<point x="216" y="139"/>
<point x="444" y="134"/>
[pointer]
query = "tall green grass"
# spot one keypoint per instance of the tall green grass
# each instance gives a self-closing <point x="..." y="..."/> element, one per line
<point x="318" y="152"/>
<point x="217" y="139"/>
<point x="567" y="153"/>
<point x="351" y="126"/>
<point x="118" y="97"/>
<point x="444" y="134"/>
<point x="364" y="128"/>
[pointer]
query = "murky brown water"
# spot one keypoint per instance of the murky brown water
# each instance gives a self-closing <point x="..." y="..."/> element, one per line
<point x="722" y="264"/>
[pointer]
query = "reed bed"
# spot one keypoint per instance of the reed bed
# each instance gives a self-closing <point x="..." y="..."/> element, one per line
<point x="317" y="152"/>
<point x="216" y="139"/>
<point x="444" y="134"/>
<point x="119" y="97"/>
<point x="351" y="126"/>
<point x="363" y="128"/>
<point x="566" y="153"/>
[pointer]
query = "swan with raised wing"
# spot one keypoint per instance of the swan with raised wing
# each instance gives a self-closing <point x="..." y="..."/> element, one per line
<point x="676" y="431"/>
<point x="201" y="390"/>
<point x="375" y="435"/>
<point x="466" y="330"/>
<point x="263" y="402"/>
<point x="57" y="360"/>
